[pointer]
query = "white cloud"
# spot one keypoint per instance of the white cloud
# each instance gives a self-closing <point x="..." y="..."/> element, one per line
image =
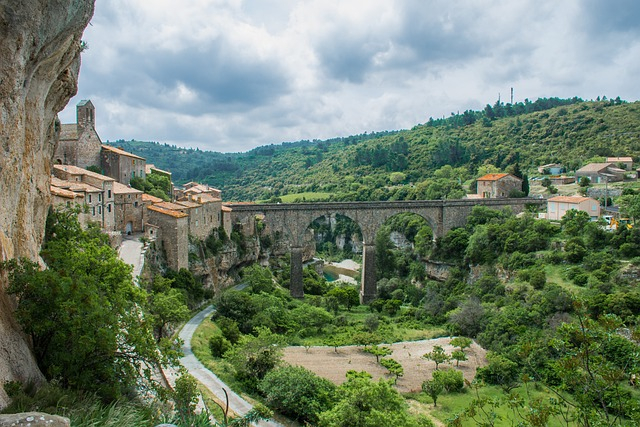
<point x="228" y="75"/>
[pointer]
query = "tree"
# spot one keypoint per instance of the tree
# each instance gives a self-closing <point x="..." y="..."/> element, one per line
<point x="461" y="342"/>
<point x="378" y="351"/>
<point x="258" y="278"/>
<point x="438" y="355"/>
<point x="458" y="356"/>
<point x="394" y="367"/>
<point x="365" y="403"/>
<point x="308" y="316"/>
<point x="297" y="392"/>
<point x="254" y="356"/>
<point x="584" y="182"/>
<point x="83" y="313"/>
<point x="573" y="222"/>
<point x="433" y="387"/>
<point x="346" y="295"/>
<point x="167" y="308"/>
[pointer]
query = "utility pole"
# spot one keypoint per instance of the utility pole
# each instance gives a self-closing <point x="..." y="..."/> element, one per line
<point x="511" y="96"/>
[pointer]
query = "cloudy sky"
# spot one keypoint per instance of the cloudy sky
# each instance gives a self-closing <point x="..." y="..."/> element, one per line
<point x="230" y="75"/>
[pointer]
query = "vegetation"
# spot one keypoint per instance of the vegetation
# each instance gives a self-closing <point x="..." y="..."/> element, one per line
<point x="83" y="313"/>
<point x="426" y="162"/>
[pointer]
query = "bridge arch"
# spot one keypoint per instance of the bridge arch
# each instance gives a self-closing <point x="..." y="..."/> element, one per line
<point x="292" y="220"/>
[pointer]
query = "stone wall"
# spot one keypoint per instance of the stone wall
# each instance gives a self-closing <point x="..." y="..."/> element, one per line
<point x="173" y="238"/>
<point x="39" y="63"/>
<point x="128" y="209"/>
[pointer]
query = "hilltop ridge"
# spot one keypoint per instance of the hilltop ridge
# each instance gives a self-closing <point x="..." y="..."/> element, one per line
<point x="386" y="165"/>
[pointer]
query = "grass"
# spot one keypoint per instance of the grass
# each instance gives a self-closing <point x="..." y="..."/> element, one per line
<point x="451" y="404"/>
<point x="305" y="197"/>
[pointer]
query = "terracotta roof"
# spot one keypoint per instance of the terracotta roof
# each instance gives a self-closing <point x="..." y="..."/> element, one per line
<point x="169" y="205"/>
<point x="61" y="192"/>
<point x="68" y="132"/>
<point x="493" y="176"/>
<point x="74" y="170"/>
<point x="175" y="214"/>
<point x="188" y="204"/>
<point x="124" y="189"/>
<point x="149" y="167"/>
<point x="594" y="167"/>
<point x="120" y="152"/>
<point x="226" y="209"/>
<point x="83" y="187"/>
<point x="569" y="199"/>
<point x="205" y="198"/>
<point x="149" y="198"/>
<point x="619" y="159"/>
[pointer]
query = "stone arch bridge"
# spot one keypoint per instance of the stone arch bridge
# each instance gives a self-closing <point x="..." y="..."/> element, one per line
<point x="291" y="220"/>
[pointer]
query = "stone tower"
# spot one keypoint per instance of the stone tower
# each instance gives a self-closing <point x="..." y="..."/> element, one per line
<point x="86" y="115"/>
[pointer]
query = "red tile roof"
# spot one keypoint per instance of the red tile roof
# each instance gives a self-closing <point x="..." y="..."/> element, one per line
<point x="492" y="177"/>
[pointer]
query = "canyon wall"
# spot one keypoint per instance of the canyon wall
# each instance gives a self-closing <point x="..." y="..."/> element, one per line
<point x="40" y="45"/>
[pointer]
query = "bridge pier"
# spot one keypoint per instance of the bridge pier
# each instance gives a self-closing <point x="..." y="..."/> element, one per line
<point x="295" y="280"/>
<point x="368" y="285"/>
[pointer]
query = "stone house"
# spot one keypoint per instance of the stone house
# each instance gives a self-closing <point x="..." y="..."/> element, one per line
<point x="79" y="143"/>
<point x="121" y="165"/>
<point x="128" y="209"/>
<point x="558" y="206"/>
<point x="625" y="163"/>
<point x="96" y="188"/>
<point x="498" y="185"/>
<point x="600" y="173"/>
<point x="195" y="189"/>
<point x="172" y="236"/>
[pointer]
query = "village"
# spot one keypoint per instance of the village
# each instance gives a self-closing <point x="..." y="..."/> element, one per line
<point x="196" y="209"/>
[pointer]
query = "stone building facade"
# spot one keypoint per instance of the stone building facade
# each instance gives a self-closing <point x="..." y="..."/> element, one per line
<point x="128" y="209"/>
<point x="498" y="185"/>
<point x="172" y="235"/>
<point x="97" y="190"/>
<point x="79" y="143"/>
<point x="121" y="165"/>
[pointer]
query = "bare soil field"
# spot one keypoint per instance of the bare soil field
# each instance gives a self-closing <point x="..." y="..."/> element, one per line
<point x="332" y="365"/>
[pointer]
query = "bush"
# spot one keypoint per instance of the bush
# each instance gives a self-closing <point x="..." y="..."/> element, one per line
<point x="219" y="345"/>
<point x="297" y="392"/>
<point x="451" y="379"/>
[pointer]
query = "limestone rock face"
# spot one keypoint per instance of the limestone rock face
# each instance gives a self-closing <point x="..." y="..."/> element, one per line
<point x="33" y="419"/>
<point x="39" y="62"/>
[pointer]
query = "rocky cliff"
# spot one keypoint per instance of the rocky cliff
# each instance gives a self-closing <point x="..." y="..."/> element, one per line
<point x="39" y="61"/>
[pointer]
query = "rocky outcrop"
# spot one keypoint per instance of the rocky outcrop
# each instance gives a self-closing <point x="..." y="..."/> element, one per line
<point x="33" y="419"/>
<point x="39" y="61"/>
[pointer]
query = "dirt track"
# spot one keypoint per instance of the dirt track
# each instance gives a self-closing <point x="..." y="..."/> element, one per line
<point x="334" y="366"/>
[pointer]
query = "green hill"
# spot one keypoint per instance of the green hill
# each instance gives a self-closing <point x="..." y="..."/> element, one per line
<point x="429" y="161"/>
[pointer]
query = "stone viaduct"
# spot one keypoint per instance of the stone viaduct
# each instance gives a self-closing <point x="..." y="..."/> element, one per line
<point x="291" y="221"/>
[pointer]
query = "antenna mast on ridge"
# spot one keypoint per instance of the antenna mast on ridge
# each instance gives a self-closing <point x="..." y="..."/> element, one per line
<point x="511" y="96"/>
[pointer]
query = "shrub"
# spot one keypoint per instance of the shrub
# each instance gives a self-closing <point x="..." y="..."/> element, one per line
<point x="219" y="345"/>
<point x="451" y="379"/>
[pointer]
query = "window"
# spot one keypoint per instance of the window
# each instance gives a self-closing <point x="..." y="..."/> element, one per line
<point x="133" y="174"/>
<point x="109" y="208"/>
<point x="196" y="222"/>
<point x="99" y="197"/>
<point x="90" y="200"/>
<point x="99" y="210"/>
<point x="108" y="194"/>
<point x="135" y="204"/>
<point x="128" y="196"/>
<point x="594" y="207"/>
<point x="552" y="207"/>
<point x="93" y="211"/>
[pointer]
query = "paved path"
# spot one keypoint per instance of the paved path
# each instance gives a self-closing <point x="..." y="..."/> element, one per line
<point x="208" y="378"/>
<point x="130" y="251"/>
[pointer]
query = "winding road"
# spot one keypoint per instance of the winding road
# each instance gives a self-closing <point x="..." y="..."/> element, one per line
<point x="208" y="378"/>
<point x="131" y="251"/>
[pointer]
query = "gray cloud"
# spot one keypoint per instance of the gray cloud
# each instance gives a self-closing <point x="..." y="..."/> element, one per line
<point x="230" y="75"/>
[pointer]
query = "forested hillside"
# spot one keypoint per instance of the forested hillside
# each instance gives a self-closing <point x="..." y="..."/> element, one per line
<point x="429" y="161"/>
